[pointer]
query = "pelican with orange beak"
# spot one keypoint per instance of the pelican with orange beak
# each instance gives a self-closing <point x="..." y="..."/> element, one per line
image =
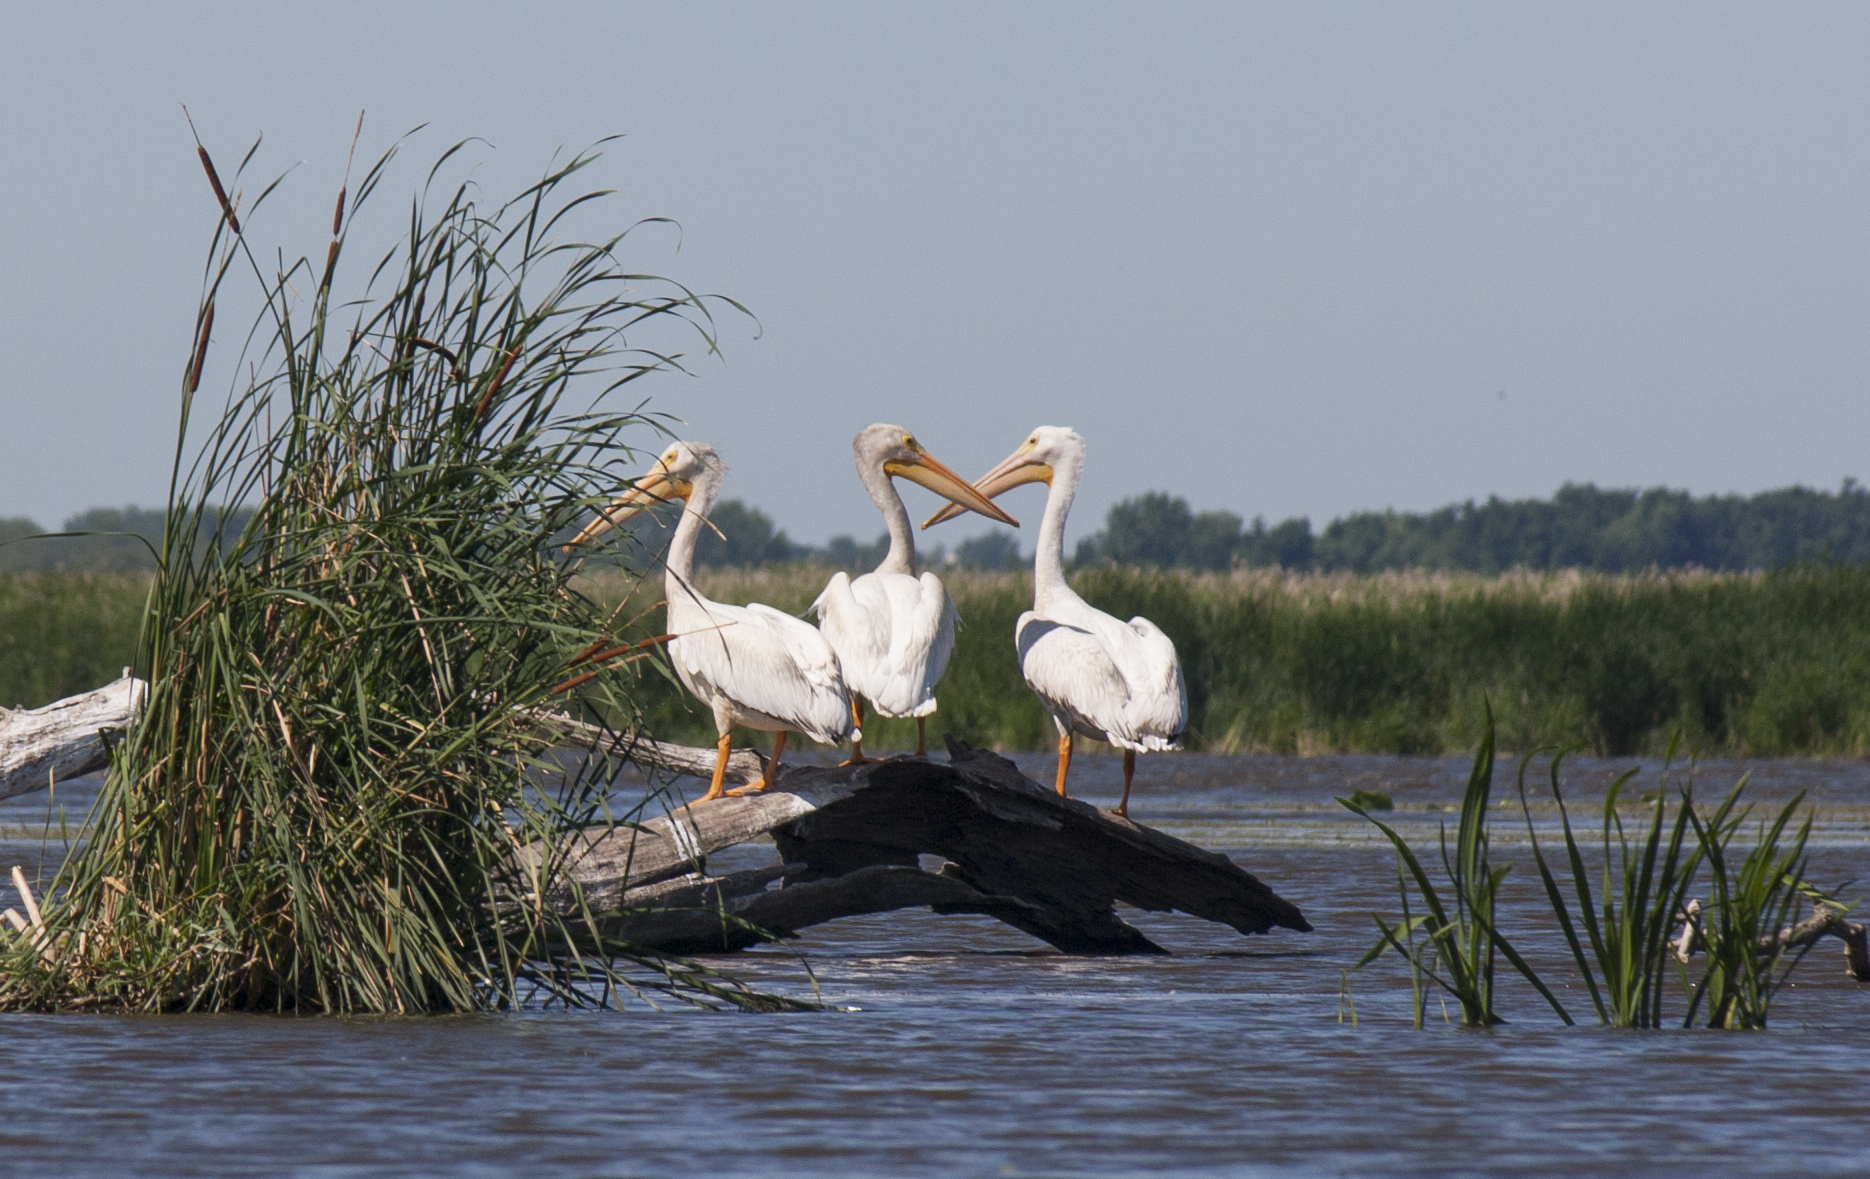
<point x="894" y="631"/>
<point x="1116" y="682"/>
<point x="751" y="665"/>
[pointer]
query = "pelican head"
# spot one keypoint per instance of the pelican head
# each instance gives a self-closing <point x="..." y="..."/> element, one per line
<point x="895" y="451"/>
<point x="1036" y="460"/>
<point x="674" y="476"/>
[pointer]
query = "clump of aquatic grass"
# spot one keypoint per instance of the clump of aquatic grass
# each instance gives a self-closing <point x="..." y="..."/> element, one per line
<point x="321" y="806"/>
<point x="1644" y="891"/>
<point x="1648" y="923"/>
<point x="1748" y="906"/>
<point x="1454" y="943"/>
<point x="1630" y="926"/>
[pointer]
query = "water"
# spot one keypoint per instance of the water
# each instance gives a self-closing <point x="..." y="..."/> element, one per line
<point x="978" y="1051"/>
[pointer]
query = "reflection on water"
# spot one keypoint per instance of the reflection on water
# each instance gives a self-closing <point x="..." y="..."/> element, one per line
<point x="978" y="1051"/>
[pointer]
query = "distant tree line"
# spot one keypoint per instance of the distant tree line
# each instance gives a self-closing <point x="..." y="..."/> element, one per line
<point x="1582" y="526"/>
<point x="110" y="540"/>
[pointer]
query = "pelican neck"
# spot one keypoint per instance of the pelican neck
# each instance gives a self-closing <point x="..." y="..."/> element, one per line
<point x="1049" y="586"/>
<point x="902" y="555"/>
<point x="679" y="566"/>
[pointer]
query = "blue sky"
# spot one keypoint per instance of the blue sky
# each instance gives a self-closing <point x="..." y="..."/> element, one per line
<point x="1281" y="259"/>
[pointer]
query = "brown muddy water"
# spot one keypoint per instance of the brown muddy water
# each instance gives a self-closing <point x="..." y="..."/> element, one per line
<point x="978" y="1051"/>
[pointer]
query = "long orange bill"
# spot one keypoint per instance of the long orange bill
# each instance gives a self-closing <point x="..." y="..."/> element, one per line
<point x="926" y="471"/>
<point x="652" y="489"/>
<point x="1016" y="469"/>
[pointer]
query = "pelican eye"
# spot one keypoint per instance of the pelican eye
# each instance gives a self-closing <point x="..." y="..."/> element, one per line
<point x="909" y="440"/>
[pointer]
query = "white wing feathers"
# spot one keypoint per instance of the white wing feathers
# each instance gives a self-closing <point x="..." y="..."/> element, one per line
<point x="937" y="615"/>
<point x="1115" y="682"/>
<point x="1075" y="676"/>
<point x="771" y="664"/>
<point x="852" y="629"/>
<point x="1158" y="696"/>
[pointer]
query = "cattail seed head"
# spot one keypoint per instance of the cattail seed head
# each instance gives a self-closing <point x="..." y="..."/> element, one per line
<point x="220" y="194"/>
<point x="201" y="348"/>
<point x="494" y="387"/>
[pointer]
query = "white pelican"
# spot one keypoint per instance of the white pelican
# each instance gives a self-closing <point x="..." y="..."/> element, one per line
<point x="893" y="631"/>
<point x="752" y="665"/>
<point x="1114" y="682"/>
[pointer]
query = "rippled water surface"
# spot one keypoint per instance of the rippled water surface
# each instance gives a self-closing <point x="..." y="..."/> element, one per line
<point x="978" y="1051"/>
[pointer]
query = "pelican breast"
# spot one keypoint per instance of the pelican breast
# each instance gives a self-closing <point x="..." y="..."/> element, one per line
<point x="893" y="634"/>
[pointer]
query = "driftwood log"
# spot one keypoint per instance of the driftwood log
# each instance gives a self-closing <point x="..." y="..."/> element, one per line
<point x="66" y="738"/>
<point x="852" y="839"/>
<point x="1825" y="921"/>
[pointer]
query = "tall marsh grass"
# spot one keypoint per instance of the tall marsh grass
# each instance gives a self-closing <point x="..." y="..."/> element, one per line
<point x="321" y="806"/>
<point x="1769" y="664"/>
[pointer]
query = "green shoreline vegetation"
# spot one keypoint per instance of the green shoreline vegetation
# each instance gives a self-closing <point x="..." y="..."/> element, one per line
<point x="1755" y="664"/>
<point x="66" y="633"/>
<point x="1602" y="618"/>
<point x="1752" y="664"/>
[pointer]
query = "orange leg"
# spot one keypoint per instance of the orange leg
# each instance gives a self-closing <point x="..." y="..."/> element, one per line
<point x="772" y="768"/>
<point x="922" y="736"/>
<point x="1064" y="762"/>
<point x="1129" y="771"/>
<point x="722" y="748"/>
<point x="857" y="757"/>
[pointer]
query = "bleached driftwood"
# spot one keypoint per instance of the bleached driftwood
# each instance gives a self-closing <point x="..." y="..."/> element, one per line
<point x="66" y="738"/>
<point x="852" y="838"/>
<point x="1825" y="921"/>
<point x="1828" y="922"/>
<point x="743" y="765"/>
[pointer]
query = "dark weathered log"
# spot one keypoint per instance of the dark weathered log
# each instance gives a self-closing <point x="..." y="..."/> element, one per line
<point x="1054" y="867"/>
<point x="715" y="921"/>
<point x="65" y="738"/>
<point x="1008" y="836"/>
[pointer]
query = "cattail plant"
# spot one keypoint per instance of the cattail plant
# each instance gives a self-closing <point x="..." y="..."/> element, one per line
<point x="1625" y="953"/>
<point x="1455" y="941"/>
<point x="1749" y="958"/>
<point x="341" y="751"/>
